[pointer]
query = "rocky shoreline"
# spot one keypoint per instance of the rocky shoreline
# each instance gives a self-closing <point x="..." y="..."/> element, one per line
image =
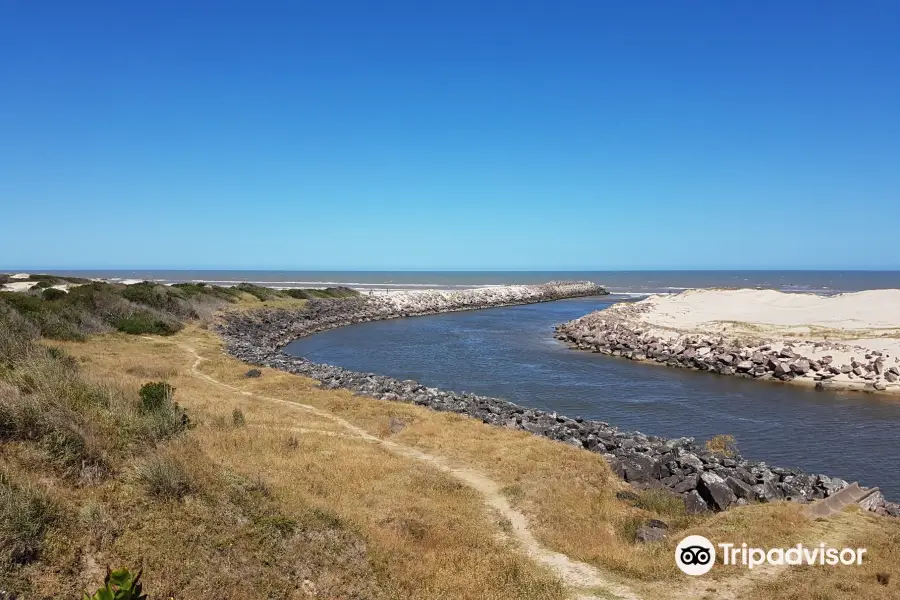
<point x="620" y="331"/>
<point x="705" y="480"/>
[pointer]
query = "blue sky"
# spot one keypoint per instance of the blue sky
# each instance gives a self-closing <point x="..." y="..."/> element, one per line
<point x="440" y="135"/>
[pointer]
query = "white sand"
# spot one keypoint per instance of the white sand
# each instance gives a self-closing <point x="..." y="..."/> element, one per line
<point x="18" y="286"/>
<point x="871" y="311"/>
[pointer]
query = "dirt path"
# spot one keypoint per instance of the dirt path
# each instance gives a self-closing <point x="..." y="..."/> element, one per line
<point x="585" y="581"/>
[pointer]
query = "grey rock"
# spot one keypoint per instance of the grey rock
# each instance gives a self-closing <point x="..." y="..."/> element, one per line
<point x="687" y="484"/>
<point x="715" y="491"/>
<point x="740" y="489"/>
<point x="647" y="534"/>
<point x="694" y="504"/>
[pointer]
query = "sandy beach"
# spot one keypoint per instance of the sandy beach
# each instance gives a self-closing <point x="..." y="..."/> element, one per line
<point x="845" y="341"/>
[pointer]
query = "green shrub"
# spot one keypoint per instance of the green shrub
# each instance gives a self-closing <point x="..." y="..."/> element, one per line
<point x="155" y="396"/>
<point x="165" y="416"/>
<point x="26" y="513"/>
<point x="50" y="294"/>
<point x="331" y="292"/>
<point x="261" y="293"/>
<point x="201" y="290"/>
<point x="141" y="323"/>
<point x="120" y="584"/>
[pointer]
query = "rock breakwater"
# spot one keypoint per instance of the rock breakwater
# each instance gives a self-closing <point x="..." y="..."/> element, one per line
<point x="706" y="480"/>
<point x="632" y="331"/>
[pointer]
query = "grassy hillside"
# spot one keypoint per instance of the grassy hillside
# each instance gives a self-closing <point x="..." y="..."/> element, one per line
<point x="158" y="452"/>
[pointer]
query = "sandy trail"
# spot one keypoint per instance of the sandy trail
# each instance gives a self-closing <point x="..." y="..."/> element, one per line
<point x="585" y="581"/>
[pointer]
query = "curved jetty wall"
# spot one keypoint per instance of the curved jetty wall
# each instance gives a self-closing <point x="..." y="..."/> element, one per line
<point x="707" y="481"/>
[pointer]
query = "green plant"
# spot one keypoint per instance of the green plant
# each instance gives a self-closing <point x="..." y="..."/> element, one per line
<point x="261" y="293"/>
<point x="165" y="417"/>
<point x="142" y="322"/>
<point x="120" y="584"/>
<point x="51" y="294"/>
<point x="155" y="396"/>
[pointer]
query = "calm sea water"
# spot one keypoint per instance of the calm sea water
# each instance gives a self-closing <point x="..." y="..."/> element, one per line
<point x="510" y="352"/>
<point x="633" y="282"/>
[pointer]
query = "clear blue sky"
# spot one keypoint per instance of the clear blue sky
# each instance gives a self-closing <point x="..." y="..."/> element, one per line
<point x="518" y="134"/>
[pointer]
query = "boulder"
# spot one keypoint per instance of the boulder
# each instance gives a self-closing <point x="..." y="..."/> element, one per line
<point x="782" y="368"/>
<point x="687" y="484"/>
<point x="766" y="492"/>
<point x="253" y="373"/>
<point x="872" y="502"/>
<point x="654" y="531"/>
<point x="800" y="367"/>
<point x="715" y="491"/>
<point x="694" y="504"/>
<point x="640" y="468"/>
<point x="740" y="489"/>
<point x="690" y="460"/>
<point x="615" y="465"/>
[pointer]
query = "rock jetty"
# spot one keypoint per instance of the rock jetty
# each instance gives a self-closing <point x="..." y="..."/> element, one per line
<point x="620" y="331"/>
<point x="706" y="480"/>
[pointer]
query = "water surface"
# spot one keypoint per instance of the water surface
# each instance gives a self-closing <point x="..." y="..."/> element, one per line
<point x="510" y="352"/>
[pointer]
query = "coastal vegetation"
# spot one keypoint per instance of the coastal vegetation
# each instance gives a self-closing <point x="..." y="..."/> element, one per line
<point x="160" y="454"/>
<point x="89" y="307"/>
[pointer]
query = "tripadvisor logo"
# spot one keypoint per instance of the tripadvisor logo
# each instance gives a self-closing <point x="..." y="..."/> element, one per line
<point x="696" y="555"/>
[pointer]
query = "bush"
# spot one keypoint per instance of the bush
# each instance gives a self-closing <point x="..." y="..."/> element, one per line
<point x="722" y="444"/>
<point x="331" y="292"/>
<point x="261" y="293"/>
<point x="51" y="294"/>
<point x="237" y="418"/>
<point x="155" y="396"/>
<point x="166" y="417"/>
<point x="26" y="513"/>
<point x="199" y="290"/>
<point x="141" y="323"/>
<point x="164" y="477"/>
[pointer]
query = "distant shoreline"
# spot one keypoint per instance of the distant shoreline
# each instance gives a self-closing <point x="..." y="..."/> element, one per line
<point x="632" y="283"/>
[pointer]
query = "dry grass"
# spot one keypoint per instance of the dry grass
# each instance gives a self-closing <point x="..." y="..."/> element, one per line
<point x="426" y="535"/>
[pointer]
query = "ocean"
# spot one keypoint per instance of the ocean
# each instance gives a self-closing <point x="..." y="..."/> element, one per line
<point x="617" y="282"/>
